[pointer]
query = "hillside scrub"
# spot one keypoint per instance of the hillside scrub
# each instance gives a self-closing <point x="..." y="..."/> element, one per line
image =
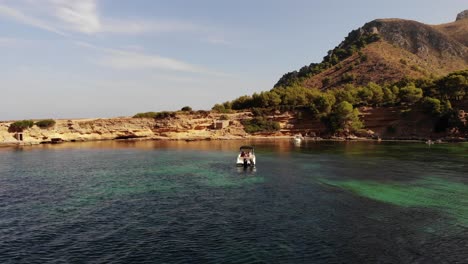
<point x="434" y="95"/>
<point x="352" y="44"/>
<point x="260" y="124"/>
<point x="225" y="107"/>
<point x="155" y="115"/>
<point x="45" y="123"/>
<point x="20" y="126"/>
<point x="145" y="115"/>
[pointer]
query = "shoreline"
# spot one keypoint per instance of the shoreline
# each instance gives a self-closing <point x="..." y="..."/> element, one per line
<point x="204" y="126"/>
<point x="269" y="138"/>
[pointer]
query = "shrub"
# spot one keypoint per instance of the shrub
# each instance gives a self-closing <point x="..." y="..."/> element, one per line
<point x="223" y="117"/>
<point x="186" y="109"/>
<point x="145" y="115"/>
<point x="364" y="57"/>
<point x="242" y="102"/>
<point x="46" y="123"/>
<point x="260" y="112"/>
<point x="155" y="115"/>
<point x="348" y="77"/>
<point x="221" y="108"/>
<point x="326" y="81"/>
<point x="259" y="124"/>
<point x="164" y="114"/>
<point x="19" y="126"/>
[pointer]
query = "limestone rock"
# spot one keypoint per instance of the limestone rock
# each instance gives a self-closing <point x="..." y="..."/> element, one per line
<point x="462" y="15"/>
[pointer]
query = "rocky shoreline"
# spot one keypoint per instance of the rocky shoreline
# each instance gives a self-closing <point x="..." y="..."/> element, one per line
<point x="206" y="125"/>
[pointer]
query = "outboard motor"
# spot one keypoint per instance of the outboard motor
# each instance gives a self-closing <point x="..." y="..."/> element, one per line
<point x="245" y="163"/>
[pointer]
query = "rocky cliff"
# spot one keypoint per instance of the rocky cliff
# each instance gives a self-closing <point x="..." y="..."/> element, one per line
<point x="386" y="51"/>
<point x="462" y="15"/>
<point x="381" y="122"/>
<point x="183" y="126"/>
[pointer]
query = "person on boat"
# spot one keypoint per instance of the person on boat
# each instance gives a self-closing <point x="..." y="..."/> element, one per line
<point x="242" y="154"/>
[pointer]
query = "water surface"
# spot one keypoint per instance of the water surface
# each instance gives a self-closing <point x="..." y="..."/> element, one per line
<point x="186" y="202"/>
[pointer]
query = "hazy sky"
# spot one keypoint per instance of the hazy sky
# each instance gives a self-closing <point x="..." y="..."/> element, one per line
<point x="107" y="58"/>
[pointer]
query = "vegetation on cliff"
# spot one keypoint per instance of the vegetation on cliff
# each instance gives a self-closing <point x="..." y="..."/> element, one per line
<point x="45" y="123"/>
<point x="353" y="44"/>
<point x="386" y="51"/>
<point x="155" y="115"/>
<point x="337" y="108"/>
<point x="260" y="124"/>
<point x="19" y="126"/>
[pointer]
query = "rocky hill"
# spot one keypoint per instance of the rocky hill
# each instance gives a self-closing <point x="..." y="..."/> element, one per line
<point x="386" y="51"/>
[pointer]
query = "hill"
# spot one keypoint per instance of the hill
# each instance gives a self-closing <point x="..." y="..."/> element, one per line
<point x="398" y="78"/>
<point x="386" y="51"/>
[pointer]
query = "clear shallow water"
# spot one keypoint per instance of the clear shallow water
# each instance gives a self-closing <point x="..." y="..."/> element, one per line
<point x="179" y="202"/>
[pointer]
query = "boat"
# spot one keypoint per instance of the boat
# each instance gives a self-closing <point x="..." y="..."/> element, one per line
<point x="297" y="139"/>
<point x="429" y="142"/>
<point x="246" y="157"/>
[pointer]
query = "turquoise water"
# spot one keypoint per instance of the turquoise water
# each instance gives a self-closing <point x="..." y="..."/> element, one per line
<point x="186" y="202"/>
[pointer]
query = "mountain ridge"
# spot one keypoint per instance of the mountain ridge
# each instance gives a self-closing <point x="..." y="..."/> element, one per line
<point x="388" y="50"/>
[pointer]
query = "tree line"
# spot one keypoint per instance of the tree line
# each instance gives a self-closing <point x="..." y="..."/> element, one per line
<point x="337" y="107"/>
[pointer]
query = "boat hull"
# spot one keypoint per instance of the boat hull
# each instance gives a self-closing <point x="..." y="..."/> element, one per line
<point x="246" y="161"/>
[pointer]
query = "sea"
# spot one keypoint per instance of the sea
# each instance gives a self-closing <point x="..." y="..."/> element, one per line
<point x="187" y="202"/>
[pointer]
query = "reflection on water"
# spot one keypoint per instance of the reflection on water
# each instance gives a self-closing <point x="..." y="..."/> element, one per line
<point x="187" y="202"/>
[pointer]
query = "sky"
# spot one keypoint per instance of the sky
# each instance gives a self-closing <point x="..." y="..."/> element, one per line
<point x="110" y="58"/>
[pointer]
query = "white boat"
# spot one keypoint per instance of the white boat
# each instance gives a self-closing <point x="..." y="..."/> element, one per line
<point x="246" y="157"/>
<point x="297" y="139"/>
<point x="429" y="142"/>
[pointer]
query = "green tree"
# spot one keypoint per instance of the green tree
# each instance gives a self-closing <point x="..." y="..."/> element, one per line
<point x="365" y="95"/>
<point x="323" y="103"/>
<point x="186" y="109"/>
<point x="377" y="93"/>
<point x="389" y="97"/>
<point x="268" y="99"/>
<point x="431" y="106"/>
<point x="446" y="106"/>
<point x="410" y="93"/>
<point x="243" y="102"/>
<point x="218" y="108"/>
<point x="344" y="95"/>
<point x="227" y="105"/>
<point x="343" y="117"/>
<point x="454" y="86"/>
<point x="295" y="96"/>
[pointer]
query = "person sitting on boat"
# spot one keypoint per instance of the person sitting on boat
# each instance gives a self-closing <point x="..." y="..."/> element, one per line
<point x="242" y="154"/>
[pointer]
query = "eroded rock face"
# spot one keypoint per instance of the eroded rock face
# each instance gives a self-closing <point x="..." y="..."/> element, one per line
<point x="417" y="38"/>
<point x="462" y="15"/>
